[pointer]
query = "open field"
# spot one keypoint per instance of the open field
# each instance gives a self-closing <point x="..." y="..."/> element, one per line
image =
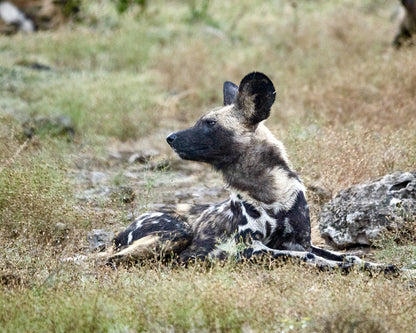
<point x="345" y="111"/>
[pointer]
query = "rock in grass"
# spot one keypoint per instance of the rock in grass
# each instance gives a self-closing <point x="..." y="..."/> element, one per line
<point x="12" y="19"/>
<point x="31" y="15"/>
<point x="358" y="214"/>
<point x="99" y="239"/>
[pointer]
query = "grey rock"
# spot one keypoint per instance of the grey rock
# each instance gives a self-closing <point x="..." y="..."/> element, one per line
<point x="358" y="214"/>
<point x="99" y="239"/>
<point x="12" y="16"/>
<point x="61" y="232"/>
<point x="28" y="16"/>
<point x="61" y="227"/>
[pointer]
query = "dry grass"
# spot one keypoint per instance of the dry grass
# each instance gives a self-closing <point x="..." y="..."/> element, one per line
<point x="228" y="298"/>
<point x="345" y="110"/>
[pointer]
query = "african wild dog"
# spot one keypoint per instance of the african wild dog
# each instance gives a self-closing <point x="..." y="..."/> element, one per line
<point x="407" y="27"/>
<point x="267" y="210"/>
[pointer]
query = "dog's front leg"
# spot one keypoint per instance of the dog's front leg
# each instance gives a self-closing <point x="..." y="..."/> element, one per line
<point x="257" y="249"/>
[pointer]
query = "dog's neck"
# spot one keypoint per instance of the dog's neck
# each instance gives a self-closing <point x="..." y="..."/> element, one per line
<point x="262" y="174"/>
<point x="282" y="196"/>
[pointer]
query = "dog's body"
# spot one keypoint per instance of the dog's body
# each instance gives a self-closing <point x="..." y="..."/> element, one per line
<point x="267" y="211"/>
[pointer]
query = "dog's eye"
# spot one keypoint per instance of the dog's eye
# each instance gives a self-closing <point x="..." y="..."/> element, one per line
<point x="210" y="122"/>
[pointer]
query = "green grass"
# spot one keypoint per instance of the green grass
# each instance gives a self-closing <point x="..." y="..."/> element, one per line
<point x="344" y="110"/>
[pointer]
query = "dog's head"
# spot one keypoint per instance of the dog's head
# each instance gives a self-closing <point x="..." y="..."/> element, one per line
<point x="221" y="136"/>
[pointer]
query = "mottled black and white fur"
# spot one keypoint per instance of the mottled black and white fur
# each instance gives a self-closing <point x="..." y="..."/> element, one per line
<point x="266" y="213"/>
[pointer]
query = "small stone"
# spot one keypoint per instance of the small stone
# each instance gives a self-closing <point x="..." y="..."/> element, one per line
<point x="99" y="239"/>
<point x="126" y="194"/>
<point x="61" y="227"/>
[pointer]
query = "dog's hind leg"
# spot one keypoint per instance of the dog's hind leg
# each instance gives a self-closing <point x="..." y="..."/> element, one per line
<point x="150" y="236"/>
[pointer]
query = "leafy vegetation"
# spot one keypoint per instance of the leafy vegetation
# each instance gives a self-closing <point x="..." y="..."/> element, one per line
<point x="345" y="111"/>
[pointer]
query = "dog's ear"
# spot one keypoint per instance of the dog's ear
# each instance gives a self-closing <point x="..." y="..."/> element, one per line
<point x="255" y="97"/>
<point x="230" y="92"/>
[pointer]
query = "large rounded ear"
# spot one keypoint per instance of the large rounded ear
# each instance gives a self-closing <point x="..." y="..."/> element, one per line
<point x="255" y="97"/>
<point x="230" y="92"/>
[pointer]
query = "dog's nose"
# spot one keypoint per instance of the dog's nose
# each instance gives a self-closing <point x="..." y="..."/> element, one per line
<point x="171" y="138"/>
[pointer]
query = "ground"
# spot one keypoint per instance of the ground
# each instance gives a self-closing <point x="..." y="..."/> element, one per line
<point x="119" y="84"/>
